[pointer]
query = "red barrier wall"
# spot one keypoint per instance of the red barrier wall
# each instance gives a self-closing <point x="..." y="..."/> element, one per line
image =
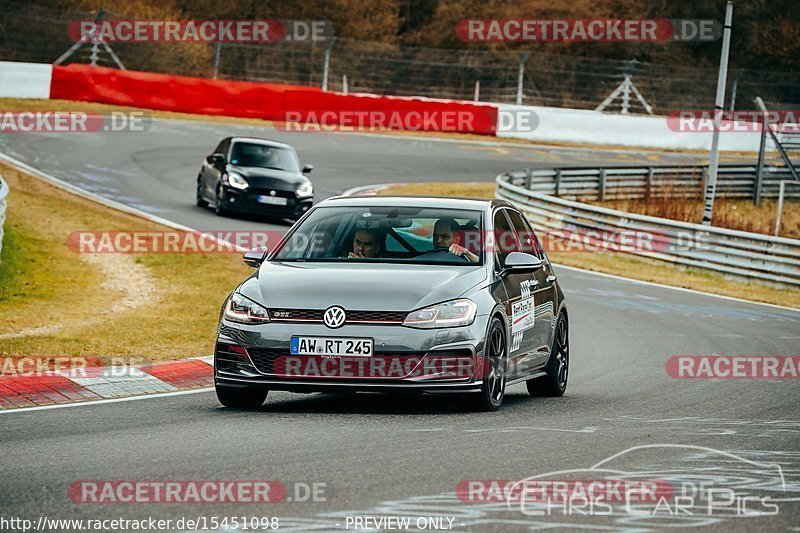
<point x="269" y="101"/>
<point x="166" y="92"/>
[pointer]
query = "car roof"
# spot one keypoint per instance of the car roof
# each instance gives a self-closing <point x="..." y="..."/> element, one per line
<point x="257" y="140"/>
<point x="453" y="202"/>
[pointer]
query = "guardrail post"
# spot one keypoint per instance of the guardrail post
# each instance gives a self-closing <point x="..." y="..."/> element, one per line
<point x="528" y="178"/>
<point x="760" y="166"/>
<point x="648" y="184"/>
<point x="558" y="181"/>
<point x="602" y="184"/>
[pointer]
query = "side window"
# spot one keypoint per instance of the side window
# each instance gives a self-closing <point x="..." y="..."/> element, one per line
<point x="222" y="147"/>
<point x="529" y="242"/>
<point x="505" y="241"/>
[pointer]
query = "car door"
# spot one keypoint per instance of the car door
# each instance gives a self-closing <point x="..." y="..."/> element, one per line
<point x="543" y="289"/>
<point x="519" y="303"/>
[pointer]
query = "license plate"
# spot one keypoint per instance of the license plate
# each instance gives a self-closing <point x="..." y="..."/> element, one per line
<point x="273" y="200"/>
<point x="335" y="346"/>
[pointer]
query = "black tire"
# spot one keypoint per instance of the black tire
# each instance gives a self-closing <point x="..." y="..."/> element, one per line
<point x="219" y="202"/>
<point x="555" y="382"/>
<point x="493" y="390"/>
<point x="240" y="398"/>
<point x="200" y="201"/>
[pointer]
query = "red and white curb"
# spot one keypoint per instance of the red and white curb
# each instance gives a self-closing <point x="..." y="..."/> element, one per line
<point x="105" y="383"/>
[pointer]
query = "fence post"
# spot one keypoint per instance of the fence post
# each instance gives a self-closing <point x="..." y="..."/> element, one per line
<point x="558" y="181"/>
<point x="217" y="53"/>
<point x="521" y="76"/>
<point x="528" y="178"/>
<point x="326" y="63"/>
<point x="602" y="184"/>
<point x="477" y="90"/>
<point x="648" y="184"/>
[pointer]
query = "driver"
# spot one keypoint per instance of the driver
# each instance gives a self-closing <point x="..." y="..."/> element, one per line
<point x="367" y="243"/>
<point x="445" y="235"/>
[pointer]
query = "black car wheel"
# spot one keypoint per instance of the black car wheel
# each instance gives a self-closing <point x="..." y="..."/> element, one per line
<point x="555" y="382"/>
<point x="201" y="202"/>
<point x="240" y="398"/>
<point x="493" y="390"/>
<point x="219" y="202"/>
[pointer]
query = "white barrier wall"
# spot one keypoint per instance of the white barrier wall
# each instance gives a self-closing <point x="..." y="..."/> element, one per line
<point x="25" y="80"/>
<point x="591" y="127"/>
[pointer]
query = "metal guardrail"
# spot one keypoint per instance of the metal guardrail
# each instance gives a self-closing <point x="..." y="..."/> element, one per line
<point x="611" y="183"/>
<point x="3" y="195"/>
<point x="730" y="252"/>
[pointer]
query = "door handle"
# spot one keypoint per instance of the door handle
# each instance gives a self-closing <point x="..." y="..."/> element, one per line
<point x="551" y="277"/>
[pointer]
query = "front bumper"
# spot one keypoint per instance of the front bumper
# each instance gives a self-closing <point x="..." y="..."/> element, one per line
<point x="428" y="361"/>
<point x="246" y="201"/>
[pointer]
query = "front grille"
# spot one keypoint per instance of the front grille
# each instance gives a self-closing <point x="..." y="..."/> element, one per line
<point x="353" y="317"/>
<point x="264" y="358"/>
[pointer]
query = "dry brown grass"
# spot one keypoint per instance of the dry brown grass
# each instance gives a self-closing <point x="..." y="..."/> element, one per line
<point x="728" y="213"/>
<point x="623" y="264"/>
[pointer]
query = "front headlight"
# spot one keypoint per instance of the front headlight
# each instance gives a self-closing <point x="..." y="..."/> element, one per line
<point x="245" y="311"/>
<point x="445" y="315"/>
<point x="236" y="181"/>
<point x="305" y="189"/>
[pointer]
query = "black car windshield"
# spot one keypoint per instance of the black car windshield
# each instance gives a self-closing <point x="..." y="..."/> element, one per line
<point x="387" y="235"/>
<point x="264" y="156"/>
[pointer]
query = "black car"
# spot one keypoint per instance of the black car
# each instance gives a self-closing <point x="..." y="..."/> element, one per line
<point x="397" y="294"/>
<point x="257" y="176"/>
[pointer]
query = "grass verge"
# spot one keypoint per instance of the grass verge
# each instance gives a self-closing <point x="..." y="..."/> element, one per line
<point x="153" y="306"/>
<point x="623" y="264"/>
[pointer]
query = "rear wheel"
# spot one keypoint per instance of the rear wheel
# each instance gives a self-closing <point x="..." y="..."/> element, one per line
<point x="240" y="398"/>
<point x="555" y="382"/>
<point x="493" y="390"/>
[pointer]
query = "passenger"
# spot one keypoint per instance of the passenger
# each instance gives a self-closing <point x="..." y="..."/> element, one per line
<point x="367" y="243"/>
<point x="446" y="235"/>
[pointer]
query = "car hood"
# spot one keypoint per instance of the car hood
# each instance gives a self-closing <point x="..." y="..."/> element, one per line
<point x="270" y="178"/>
<point x="363" y="287"/>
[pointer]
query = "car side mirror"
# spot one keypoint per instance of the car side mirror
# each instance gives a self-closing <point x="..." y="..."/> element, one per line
<point x="519" y="262"/>
<point x="307" y="169"/>
<point x="217" y="160"/>
<point x="255" y="256"/>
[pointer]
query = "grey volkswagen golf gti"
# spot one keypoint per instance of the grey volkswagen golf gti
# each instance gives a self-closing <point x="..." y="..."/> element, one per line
<point x="397" y="294"/>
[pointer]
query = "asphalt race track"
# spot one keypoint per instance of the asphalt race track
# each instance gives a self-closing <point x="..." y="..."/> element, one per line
<point x="402" y="456"/>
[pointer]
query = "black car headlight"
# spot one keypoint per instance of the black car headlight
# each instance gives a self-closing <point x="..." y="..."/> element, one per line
<point x="450" y="314"/>
<point x="236" y="181"/>
<point x="305" y="189"/>
<point x="245" y="311"/>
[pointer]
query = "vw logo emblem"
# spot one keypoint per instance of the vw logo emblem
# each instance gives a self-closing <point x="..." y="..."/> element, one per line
<point x="334" y="317"/>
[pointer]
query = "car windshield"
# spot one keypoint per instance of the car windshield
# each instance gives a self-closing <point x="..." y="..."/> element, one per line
<point x="386" y="235"/>
<point x="264" y="156"/>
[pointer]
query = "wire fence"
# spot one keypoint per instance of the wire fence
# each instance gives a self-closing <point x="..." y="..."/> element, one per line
<point x="39" y="34"/>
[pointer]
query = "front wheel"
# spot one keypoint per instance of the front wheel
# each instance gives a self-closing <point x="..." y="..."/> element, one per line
<point x="240" y="398"/>
<point x="555" y="382"/>
<point x="219" y="202"/>
<point x="200" y="201"/>
<point x="493" y="390"/>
